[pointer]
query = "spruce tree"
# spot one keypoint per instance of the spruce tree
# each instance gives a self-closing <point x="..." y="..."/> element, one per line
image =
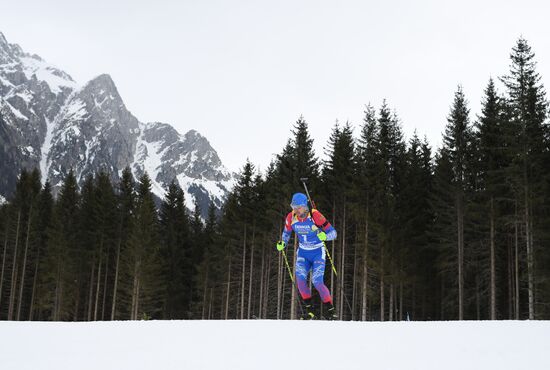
<point x="529" y="108"/>
<point x="175" y="253"/>
<point x="366" y="191"/>
<point x="62" y="250"/>
<point x="457" y="142"/>
<point x="492" y="187"/>
<point x="148" y="284"/>
<point x="122" y="287"/>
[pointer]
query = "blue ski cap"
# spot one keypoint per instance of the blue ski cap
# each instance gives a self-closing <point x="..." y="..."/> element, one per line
<point x="299" y="200"/>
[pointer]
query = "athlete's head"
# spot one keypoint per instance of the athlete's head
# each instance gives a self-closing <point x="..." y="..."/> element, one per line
<point x="299" y="204"/>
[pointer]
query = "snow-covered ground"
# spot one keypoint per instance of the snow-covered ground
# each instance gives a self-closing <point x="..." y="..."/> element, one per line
<point x="280" y="345"/>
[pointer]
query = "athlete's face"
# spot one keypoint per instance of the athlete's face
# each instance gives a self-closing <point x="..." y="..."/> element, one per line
<point x="300" y="210"/>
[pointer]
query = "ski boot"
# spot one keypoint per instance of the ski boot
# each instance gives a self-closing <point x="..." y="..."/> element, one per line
<point x="308" y="310"/>
<point x="329" y="312"/>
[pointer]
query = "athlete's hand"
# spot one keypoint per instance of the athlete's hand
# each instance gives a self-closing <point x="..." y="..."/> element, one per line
<point x="280" y="246"/>
<point x="322" y="236"/>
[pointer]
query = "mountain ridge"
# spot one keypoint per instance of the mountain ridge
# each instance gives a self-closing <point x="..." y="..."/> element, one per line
<point x="49" y="121"/>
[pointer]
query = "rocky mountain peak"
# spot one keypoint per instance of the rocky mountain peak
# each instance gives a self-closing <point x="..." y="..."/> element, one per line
<point x="48" y="121"/>
<point x="3" y="41"/>
<point x="101" y="84"/>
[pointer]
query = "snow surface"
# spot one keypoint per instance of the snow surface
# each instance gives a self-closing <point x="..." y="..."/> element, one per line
<point x="47" y="73"/>
<point x="45" y="150"/>
<point x="5" y="82"/>
<point x="148" y="157"/>
<point x="16" y="112"/>
<point x="75" y="110"/>
<point x="212" y="187"/>
<point x="266" y="345"/>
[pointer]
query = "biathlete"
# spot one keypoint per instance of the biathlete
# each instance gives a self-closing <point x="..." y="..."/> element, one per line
<point x="312" y="230"/>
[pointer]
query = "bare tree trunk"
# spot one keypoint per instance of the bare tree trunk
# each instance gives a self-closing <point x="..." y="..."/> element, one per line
<point x="98" y="281"/>
<point x="332" y="252"/>
<point x="382" y="281"/>
<point x="138" y="292"/>
<point x="34" y="283"/>
<point x="105" y="287"/>
<point x="400" y="316"/>
<point x="77" y="303"/>
<point x="204" y="294"/>
<point x="210" y="304"/>
<point x="493" y="264"/>
<point x="442" y="307"/>
<point x="91" y="294"/>
<point x="511" y="293"/>
<point x="365" y="268"/>
<point x="293" y="290"/>
<point x="530" y="260"/>
<point x="516" y="253"/>
<point x="135" y="290"/>
<point x="3" y="262"/>
<point x="228" y="290"/>
<point x="283" y="289"/>
<point x="14" y="271"/>
<point x="58" y="291"/>
<point x="391" y="302"/>
<point x="342" y="264"/>
<point x="250" y="281"/>
<point x="478" y="298"/>
<point x="460" y="234"/>
<point x="243" y="273"/>
<point x="266" y="294"/>
<point x="279" y="286"/>
<point x="262" y="274"/>
<point x="115" y="287"/>
<point x="19" y="303"/>
<point x="355" y="283"/>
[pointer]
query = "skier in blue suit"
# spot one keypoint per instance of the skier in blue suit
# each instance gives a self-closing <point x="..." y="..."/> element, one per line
<point x="312" y="230"/>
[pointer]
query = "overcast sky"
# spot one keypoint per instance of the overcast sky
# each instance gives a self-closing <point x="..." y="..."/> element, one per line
<point x="242" y="72"/>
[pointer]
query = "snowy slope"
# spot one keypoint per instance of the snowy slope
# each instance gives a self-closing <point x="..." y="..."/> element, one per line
<point x="276" y="345"/>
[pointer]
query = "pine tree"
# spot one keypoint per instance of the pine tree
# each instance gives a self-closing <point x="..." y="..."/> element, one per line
<point x="45" y="213"/>
<point x="126" y="225"/>
<point x="529" y="108"/>
<point x="366" y="192"/>
<point x="457" y="142"/>
<point x="176" y="254"/>
<point x="491" y="179"/>
<point x="61" y="254"/>
<point x="338" y="175"/>
<point x="390" y="158"/>
<point x="416" y="220"/>
<point x="143" y="255"/>
<point x="87" y="253"/>
<point x="106" y="235"/>
<point x="305" y="163"/>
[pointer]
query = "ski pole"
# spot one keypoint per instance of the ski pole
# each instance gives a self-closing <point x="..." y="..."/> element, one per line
<point x="330" y="259"/>
<point x="288" y="267"/>
<point x="293" y="281"/>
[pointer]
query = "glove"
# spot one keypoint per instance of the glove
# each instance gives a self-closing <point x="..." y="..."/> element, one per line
<point x="322" y="236"/>
<point x="280" y="246"/>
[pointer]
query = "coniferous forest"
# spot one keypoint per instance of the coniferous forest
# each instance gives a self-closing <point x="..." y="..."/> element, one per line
<point x="458" y="232"/>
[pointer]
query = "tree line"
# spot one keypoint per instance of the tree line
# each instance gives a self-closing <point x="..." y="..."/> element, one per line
<point x="461" y="232"/>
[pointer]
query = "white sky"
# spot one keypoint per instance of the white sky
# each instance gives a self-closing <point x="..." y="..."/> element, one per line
<point x="242" y="72"/>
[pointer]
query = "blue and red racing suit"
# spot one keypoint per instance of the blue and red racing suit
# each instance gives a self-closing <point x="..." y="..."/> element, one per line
<point x="311" y="251"/>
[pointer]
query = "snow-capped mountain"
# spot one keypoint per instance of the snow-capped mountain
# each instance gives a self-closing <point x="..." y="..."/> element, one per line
<point x="49" y="121"/>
